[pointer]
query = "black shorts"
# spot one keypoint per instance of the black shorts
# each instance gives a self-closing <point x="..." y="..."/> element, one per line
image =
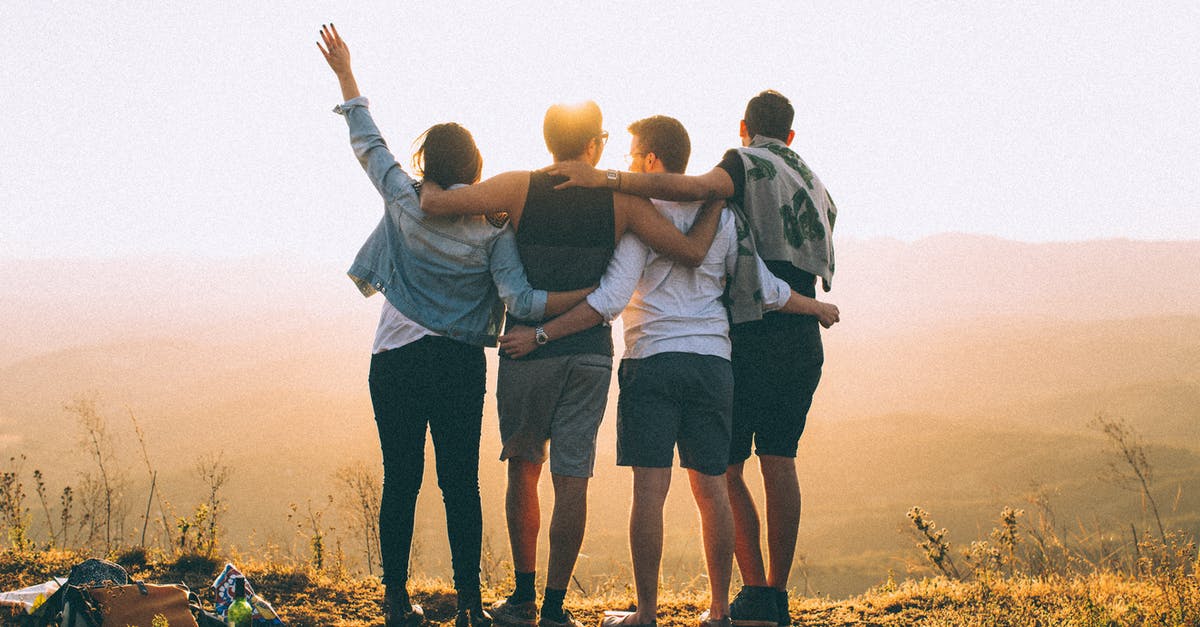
<point x="776" y="368"/>
<point x="671" y="398"/>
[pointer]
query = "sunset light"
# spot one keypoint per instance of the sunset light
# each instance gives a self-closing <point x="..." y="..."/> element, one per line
<point x="913" y="338"/>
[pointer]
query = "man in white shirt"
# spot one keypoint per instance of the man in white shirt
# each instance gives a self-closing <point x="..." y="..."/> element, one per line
<point x="675" y="378"/>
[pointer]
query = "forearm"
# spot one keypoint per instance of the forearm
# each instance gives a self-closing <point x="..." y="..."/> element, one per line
<point x="349" y="85"/>
<point x="667" y="186"/>
<point x="580" y="318"/>
<point x="801" y="305"/>
<point x="558" y="302"/>
<point x="704" y="229"/>
<point x="825" y="313"/>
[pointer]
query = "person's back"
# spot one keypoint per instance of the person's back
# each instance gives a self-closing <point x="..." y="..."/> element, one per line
<point x="676" y="308"/>
<point x="566" y="239"/>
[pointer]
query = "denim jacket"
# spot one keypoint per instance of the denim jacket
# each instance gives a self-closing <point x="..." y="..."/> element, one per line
<point x="451" y="275"/>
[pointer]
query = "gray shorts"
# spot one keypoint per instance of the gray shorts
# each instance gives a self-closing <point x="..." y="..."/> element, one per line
<point x="559" y="400"/>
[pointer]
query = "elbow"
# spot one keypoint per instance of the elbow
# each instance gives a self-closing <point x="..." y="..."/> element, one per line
<point x="525" y="311"/>
<point x="431" y="206"/>
<point x="530" y="304"/>
<point x="692" y="259"/>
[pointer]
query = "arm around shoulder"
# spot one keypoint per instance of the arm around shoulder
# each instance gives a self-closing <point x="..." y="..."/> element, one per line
<point x="668" y="186"/>
<point x="503" y="192"/>
<point x="642" y="219"/>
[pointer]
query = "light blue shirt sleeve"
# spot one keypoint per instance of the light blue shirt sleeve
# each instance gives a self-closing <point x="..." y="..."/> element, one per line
<point x="511" y="281"/>
<point x="372" y="151"/>
<point x="620" y="278"/>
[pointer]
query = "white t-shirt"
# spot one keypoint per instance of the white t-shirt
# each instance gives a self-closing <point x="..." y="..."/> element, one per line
<point x="396" y="329"/>
<point x="671" y="307"/>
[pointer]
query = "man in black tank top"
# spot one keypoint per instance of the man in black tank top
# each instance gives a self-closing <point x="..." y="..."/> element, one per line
<point x="551" y="403"/>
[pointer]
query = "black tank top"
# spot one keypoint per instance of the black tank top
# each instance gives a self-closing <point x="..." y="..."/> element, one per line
<point x="565" y="238"/>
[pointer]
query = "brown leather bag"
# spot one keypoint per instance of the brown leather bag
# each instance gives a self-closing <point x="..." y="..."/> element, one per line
<point x="143" y="605"/>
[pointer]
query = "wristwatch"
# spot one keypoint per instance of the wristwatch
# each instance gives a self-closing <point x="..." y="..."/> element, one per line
<point x="612" y="179"/>
<point x="539" y="336"/>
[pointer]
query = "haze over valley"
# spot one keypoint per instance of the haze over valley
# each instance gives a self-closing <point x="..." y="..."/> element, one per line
<point x="962" y="379"/>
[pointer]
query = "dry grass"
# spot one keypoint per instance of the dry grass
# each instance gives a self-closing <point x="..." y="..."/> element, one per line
<point x="306" y="597"/>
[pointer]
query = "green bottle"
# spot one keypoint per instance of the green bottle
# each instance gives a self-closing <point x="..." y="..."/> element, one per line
<point x="239" y="612"/>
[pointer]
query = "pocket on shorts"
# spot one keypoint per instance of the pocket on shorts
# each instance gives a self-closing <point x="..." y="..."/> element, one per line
<point x="601" y="364"/>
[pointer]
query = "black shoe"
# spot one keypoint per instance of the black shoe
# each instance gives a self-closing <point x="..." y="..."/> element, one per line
<point x="566" y="621"/>
<point x="414" y="616"/>
<point x="477" y="617"/>
<point x="398" y="612"/>
<point x="515" y="613"/>
<point x="755" y="606"/>
<point x="785" y="613"/>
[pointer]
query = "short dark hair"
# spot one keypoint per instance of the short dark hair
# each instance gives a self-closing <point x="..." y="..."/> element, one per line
<point x="447" y="155"/>
<point x="569" y="128"/>
<point x="770" y="114"/>
<point x="666" y="138"/>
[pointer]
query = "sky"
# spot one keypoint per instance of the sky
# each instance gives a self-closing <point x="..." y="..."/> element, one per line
<point x="205" y="129"/>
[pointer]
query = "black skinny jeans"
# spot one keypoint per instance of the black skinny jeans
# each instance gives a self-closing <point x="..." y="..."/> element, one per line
<point x="438" y="382"/>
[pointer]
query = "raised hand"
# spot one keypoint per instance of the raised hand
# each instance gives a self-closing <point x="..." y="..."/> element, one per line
<point x="337" y="55"/>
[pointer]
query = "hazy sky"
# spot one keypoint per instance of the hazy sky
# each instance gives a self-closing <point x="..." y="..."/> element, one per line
<point x="135" y="128"/>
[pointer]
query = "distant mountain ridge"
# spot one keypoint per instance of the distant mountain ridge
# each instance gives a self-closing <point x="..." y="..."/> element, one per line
<point x="881" y="285"/>
<point x="954" y="277"/>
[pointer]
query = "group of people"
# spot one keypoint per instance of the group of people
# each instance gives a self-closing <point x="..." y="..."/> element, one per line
<point x="723" y="349"/>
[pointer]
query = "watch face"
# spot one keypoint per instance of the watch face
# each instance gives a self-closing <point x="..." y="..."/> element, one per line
<point x="539" y="336"/>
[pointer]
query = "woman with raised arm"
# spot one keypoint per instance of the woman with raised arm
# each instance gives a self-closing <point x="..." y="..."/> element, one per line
<point x="446" y="281"/>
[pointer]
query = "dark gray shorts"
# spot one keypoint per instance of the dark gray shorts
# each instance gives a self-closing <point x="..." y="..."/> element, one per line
<point x="556" y="400"/>
<point x="776" y="369"/>
<point x="675" y="398"/>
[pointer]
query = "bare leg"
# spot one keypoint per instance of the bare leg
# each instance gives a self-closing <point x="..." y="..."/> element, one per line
<point x="716" y="519"/>
<point x="650" y="486"/>
<point x="783" y="516"/>
<point x="524" y="515"/>
<point x="746" y="528"/>
<point x="567" y="525"/>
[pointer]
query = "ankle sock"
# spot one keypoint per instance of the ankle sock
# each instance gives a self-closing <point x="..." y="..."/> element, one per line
<point x="552" y="604"/>
<point x="524" y="592"/>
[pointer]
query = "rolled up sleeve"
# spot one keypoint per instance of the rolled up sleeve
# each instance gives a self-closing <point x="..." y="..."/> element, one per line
<point x="775" y="291"/>
<point x="620" y="278"/>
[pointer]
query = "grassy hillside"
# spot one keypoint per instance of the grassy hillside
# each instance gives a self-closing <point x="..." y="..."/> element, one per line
<point x="262" y="403"/>
<point x="308" y="598"/>
<point x="962" y="380"/>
